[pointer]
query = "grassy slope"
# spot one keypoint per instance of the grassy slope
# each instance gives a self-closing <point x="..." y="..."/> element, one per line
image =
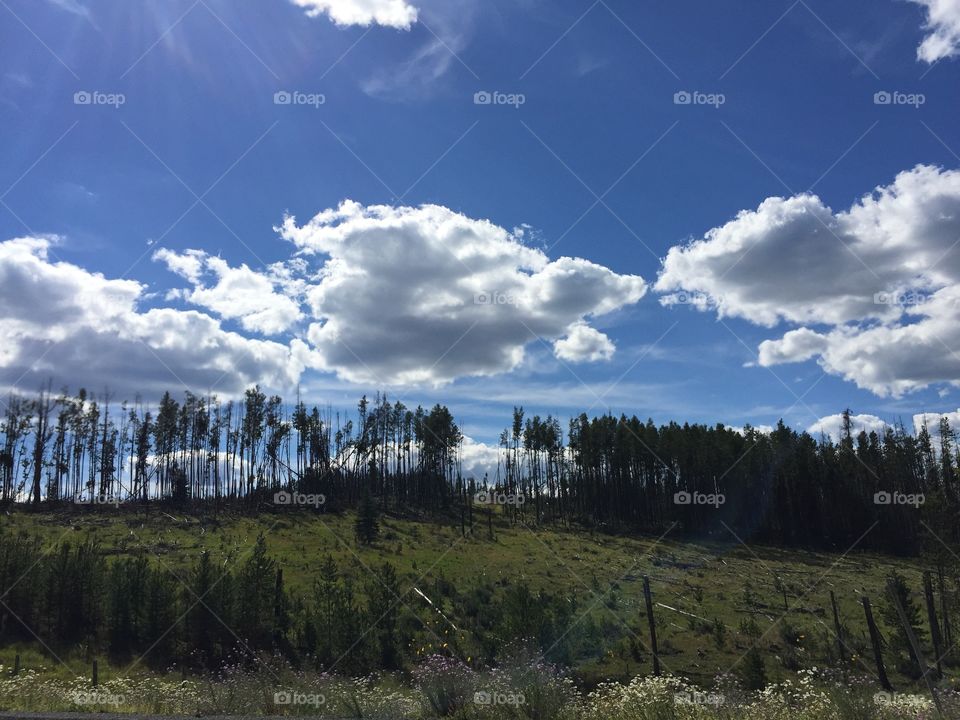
<point x="709" y="580"/>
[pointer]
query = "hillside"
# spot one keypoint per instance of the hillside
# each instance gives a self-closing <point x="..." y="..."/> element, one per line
<point x="713" y="600"/>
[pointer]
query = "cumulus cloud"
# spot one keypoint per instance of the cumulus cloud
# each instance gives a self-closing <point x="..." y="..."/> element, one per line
<point x="880" y="279"/>
<point x="477" y="459"/>
<point x="584" y="344"/>
<point x="943" y="24"/>
<point x="377" y="295"/>
<point x="259" y="301"/>
<point x="795" y="346"/>
<point x="391" y="13"/>
<point x="932" y="422"/>
<point x="426" y="295"/>
<point x="61" y="322"/>
<point x="832" y="426"/>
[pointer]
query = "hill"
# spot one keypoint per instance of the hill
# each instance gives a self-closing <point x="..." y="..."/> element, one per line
<point x="713" y="600"/>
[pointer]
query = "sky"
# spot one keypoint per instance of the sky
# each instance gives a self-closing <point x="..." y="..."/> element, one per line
<point x="709" y="212"/>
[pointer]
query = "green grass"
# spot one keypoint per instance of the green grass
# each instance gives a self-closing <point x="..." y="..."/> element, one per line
<point x="714" y="581"/>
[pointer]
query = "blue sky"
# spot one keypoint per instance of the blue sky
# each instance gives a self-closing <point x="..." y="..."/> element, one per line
<point x="184" y="147"/>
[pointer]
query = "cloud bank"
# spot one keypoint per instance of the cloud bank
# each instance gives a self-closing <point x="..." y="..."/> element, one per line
<point x="875" y="288"/>
<point x="375" y="295"/>
<point x="63" y="323"/>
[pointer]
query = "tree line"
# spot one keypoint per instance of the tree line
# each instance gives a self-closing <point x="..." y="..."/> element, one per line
<point x="609" y="472"/>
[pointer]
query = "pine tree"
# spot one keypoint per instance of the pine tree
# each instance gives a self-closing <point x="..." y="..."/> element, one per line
<point x="753" y="673"/>
<point x="900" y="645"/>
<point x="383" y="592"/>
<point x="257" y="587"/>
<point x="367" y="526"/>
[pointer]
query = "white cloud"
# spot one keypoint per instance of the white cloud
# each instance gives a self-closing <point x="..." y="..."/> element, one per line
<point x="188" y="265"/>
<point x="427" y="295"/>
<point x="66" y="324"/>
<point x="762" y="429"/>
<point x="932" y="422"/>
<point x="888" y="359"/>
<point x="832" y="426"/>
<point x="795" y="259"/>
<point x="584" y="344"/>
<point x="795" y="346"/>
<point x="943" y="24"/>
<point x="478" y="459"/>
<point x="256" y="300"/>
<point x="882" y="276"/>
<point x="384" y="295"/>
<point x="391" y="13"/>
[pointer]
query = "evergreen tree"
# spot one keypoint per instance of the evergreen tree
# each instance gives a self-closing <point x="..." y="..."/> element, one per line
<point x="367" y="525"/>
<point x="256" y="591"/>
<point x="383" y="592"/>
<point x="752" y="672"/>
<point x="898" y="592"/>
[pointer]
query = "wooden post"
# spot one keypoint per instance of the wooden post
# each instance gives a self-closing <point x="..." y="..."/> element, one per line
<point x="875" y="641"/>
<point x="653" y="627"/>
<point x="932" y="618"/>
<point x="898" y="606"/>
<point x="96" y="674"/>
<point x="944" y="613"/>
<point x="837" y="627"/>
<point x="16" y="665"/>
<point x="470" y="496"/>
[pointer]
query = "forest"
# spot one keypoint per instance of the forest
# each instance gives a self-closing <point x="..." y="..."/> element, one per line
<point x="611" y="473"/>
<point x="67" y="457"/>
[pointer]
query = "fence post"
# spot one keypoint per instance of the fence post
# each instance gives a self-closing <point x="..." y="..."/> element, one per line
<point x="898" y="606"/>
<point x="16" y="665"/>
<point x="875" y="641"/>
<point x="836" y="625"/>
<point x="96" y="674"/>
<point x="932" y="617"/>
<point x="944" y="613"/>
<point x="653" y="627"/>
